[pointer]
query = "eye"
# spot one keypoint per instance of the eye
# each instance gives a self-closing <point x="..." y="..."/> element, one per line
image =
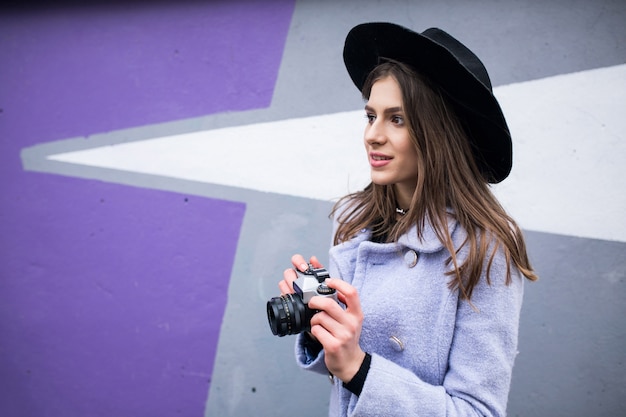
<point x="370" y="118"/>
<point x="398" y="120"/>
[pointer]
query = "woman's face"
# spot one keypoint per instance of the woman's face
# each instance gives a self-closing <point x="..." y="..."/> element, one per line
<point x="392" y="155"/>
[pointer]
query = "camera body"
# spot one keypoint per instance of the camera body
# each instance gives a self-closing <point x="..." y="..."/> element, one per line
<point x="290" y="313"/>
<point x="310" y="283"/>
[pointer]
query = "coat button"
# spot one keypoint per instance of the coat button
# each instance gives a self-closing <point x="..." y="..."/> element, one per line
<point x="396" y="343"/>
<point x="410" y="257"/>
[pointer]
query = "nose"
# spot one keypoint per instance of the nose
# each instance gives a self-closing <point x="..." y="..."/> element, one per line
<point x="375" y="133"/>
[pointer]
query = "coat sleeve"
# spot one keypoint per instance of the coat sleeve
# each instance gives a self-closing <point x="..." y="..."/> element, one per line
<point x="479" y="368"/>
<point x="308" y="360"/>
<point x="313" y="359"/>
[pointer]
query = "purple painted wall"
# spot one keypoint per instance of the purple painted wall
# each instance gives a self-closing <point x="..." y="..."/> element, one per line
<point x="111" y="297"/>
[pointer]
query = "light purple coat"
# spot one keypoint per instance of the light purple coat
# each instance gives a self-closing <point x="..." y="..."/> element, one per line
<point x="433" y="354"/>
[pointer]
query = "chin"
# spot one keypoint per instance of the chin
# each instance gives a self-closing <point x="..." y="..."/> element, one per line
<point x="381" y="181"/>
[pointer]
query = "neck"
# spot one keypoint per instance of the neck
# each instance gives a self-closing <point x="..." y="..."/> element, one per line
<point x="404" y="197"/>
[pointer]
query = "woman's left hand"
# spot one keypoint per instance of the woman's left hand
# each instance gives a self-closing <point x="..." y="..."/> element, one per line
<point x="339" y="330"/>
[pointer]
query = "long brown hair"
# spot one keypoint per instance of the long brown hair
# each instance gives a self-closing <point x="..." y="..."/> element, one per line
<point x="448" y="178"/>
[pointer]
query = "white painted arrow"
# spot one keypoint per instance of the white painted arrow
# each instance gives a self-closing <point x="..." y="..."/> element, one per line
<point x="569" y="152"/>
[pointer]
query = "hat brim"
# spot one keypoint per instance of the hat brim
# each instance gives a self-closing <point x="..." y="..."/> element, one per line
<point x="367" y="44"/>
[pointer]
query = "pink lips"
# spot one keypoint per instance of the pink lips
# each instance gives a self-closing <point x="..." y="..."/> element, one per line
<point x="378" y="160"/>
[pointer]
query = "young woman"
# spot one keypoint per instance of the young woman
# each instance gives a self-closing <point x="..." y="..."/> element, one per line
<point x="428" y="265"/>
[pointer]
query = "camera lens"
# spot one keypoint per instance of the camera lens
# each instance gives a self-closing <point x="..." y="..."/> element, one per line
<point x="287" y="314"/>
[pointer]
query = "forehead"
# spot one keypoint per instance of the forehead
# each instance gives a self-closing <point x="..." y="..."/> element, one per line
<point x="385" y="93"/>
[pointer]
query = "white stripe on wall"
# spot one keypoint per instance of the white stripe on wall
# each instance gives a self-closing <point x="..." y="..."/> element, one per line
<point x="569" y="154"/>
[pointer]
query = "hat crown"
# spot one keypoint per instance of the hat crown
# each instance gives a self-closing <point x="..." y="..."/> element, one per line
<point x="466" y="57"/>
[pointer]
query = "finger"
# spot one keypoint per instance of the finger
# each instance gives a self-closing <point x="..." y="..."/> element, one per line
<point x="299" y="262"/>
<point x="284" y="288"/>
<point x="327" y="304"/>
<point x="336" y="334"/>
<point x="348" y="295"/>
<point x="323" y="325"/>
<point x="320" y="333"/>
<point x="341" y="298"/>
<point x="315" y="262"/>
<point x="286" y="285"/>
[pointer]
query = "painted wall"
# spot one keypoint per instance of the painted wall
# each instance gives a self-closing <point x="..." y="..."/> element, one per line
<point x="161" y="162"/>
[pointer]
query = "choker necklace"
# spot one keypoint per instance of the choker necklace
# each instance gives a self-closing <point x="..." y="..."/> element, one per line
<point x="400" y="211"/>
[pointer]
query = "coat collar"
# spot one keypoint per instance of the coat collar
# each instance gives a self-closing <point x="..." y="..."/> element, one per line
<point x="429" y="243"/>
<point x="345" y="254"/>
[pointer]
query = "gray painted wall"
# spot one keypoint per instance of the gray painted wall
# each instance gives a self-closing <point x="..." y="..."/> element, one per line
<point x="571" y="360"/>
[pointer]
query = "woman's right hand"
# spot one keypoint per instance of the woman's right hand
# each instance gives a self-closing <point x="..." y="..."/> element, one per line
<point x="289" y="276"/>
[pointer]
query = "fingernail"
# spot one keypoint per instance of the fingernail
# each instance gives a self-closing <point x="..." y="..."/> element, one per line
<point x="304" y="267"/>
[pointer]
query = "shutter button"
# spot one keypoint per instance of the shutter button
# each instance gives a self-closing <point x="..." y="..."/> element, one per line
<point x="410" y="257"/>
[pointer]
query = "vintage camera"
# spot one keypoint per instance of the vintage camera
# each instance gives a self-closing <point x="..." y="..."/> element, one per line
<point x="289" y="313"/>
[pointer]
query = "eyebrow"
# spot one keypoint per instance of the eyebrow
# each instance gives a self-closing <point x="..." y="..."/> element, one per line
<point x="389" y="110"/>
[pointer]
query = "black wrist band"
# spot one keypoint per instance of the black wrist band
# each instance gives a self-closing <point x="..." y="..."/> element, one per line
<point x="355" y="385"/>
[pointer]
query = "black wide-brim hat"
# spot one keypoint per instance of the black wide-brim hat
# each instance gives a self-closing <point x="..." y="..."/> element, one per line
<point x="454" y="68"/>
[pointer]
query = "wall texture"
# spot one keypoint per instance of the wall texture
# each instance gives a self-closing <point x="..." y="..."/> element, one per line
<point x="161" y="161"/>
